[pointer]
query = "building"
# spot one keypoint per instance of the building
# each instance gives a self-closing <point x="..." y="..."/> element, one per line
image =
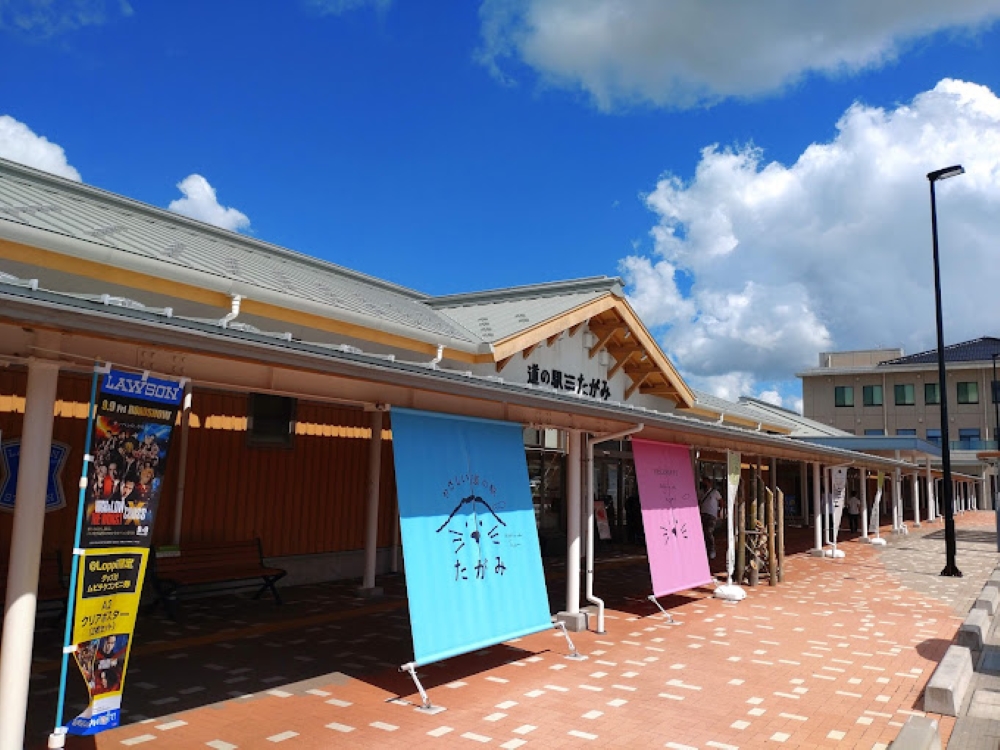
<point x="293" y="366"/>
<point x="883" y="393"/>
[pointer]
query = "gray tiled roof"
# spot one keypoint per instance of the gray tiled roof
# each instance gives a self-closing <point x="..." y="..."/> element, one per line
<point x="498" y="314"/>
<point x="799" y="425"/>
<point x="133" y="230"/>
<point x="977" y="350"/>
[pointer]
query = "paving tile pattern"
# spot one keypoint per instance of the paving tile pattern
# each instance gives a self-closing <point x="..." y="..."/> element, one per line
<point x="836" y="656"/>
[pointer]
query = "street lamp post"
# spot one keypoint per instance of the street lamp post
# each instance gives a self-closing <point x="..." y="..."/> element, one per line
<point x="996" y="437"/>
<point x="950" y="568"/>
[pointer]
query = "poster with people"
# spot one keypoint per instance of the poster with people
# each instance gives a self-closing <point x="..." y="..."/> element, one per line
<point x="129" y="444"/>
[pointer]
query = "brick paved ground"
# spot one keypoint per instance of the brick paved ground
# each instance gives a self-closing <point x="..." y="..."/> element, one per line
<point x="837" y="656"/>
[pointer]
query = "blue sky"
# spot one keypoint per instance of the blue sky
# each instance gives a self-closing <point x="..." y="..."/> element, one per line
<point x="459" y="146"/>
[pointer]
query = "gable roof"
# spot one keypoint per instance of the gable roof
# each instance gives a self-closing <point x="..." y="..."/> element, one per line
<point x="977" y="350"/>
<point x="798" y="425"/>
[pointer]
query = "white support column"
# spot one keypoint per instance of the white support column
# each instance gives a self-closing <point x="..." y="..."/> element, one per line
<point x="915" y="486"/>
<point x="864" y="503"/>
<point x="817" y="549"/>
<point x="574" y="619"/>
<point x="929" y="484"/>
<point x="804" y="492"/>
<point x="26" y="551"/>
<point x="897" y="499"/>
<point x="981" y="493"/>
<point x="368" y="587"/>
<point x="827" y="495"/>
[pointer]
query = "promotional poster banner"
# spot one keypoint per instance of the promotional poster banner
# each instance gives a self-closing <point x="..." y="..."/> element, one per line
<point x="473" y="564"/>
<point x="601" y="519"/>
<point x="732" y="486"/>
<point x="10" y="462"/>
<point x="129" y="444"/>
<point x="674" y="539"/>
<point x="839" y="476"/>
<point x="873" y="518"/>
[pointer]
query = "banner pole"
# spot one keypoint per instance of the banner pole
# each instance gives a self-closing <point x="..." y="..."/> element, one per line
<point x="58" y="737"/>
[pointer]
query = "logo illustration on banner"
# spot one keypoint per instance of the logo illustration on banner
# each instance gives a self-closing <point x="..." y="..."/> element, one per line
<point x="130" y="440"/>
<point x="473" y="565"/>
<point x="10" y="460"/>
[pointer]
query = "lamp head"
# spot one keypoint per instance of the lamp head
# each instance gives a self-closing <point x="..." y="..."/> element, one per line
<point x="944" y="174"/>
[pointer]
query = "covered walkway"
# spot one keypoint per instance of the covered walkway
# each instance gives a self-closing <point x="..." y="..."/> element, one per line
<point x="838" y="655"/>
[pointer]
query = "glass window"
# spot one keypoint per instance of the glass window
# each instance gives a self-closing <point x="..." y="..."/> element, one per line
<point x="904" y="395"/>
<point x="906" y="432"/>
<point x="874" y="432"/>
<point x="271" y="421"/>
<point x="968" y="433"/>
<point x="931" y="394"/>
<point x="968" y="393"/>
<point x="933" y="436"/>
<point x="843" y="395"/>
<point x="872" y="395"/>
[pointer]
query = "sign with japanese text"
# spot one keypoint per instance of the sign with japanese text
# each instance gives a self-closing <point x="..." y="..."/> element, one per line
<point x="132" y="427"/>
<point x="474" y="573"/>
<point x="675" y="543"/>
<point x="570" y="382"/>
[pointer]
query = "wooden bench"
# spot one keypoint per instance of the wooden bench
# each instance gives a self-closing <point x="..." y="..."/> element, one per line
<point x="198" y="563"/>
<point x="51" y="581"/>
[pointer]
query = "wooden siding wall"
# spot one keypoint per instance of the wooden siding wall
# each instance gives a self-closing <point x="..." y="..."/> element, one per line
<point x="309" y="498"/>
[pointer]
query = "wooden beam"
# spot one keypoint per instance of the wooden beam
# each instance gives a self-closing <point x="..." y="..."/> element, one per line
<point x="527" y="352"/>
<point x="577" y="327"/>
<point x="553" y="338"/>
<point x="604" y="338"/>
<point x="619" y="363"/>
<point x="635" y="385"/>
<point x="503" y="362"/>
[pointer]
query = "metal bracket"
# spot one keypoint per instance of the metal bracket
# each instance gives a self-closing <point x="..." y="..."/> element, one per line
<point x="670" y="617"/>
<point x="426" y="705"/>
<point x="573" y="653"/>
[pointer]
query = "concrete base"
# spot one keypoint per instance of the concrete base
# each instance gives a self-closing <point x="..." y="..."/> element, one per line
<point x="916" y="524"/>
<point x="374" y="592"/>
<point x="575" y="622"/>
<point x="730" y="593"/>
<point x="918" y="733"/>
<point x="817" y="552"/>
<point x="949" y="683"/>
<point x="864" y="540"/>
<point x="877" y="541"/>
<point x="972" y="633"/>
<point x="988" y="601"/>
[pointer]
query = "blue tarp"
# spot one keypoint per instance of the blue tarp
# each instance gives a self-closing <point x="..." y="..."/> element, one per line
<point x="473" y="565"/>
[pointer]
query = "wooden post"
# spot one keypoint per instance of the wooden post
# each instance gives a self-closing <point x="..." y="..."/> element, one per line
<point x="781" y="536"/>
<point x="772" y="562"/>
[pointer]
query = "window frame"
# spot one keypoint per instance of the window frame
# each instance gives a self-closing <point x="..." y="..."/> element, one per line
<point x="970" y="386"/>
<point x="902" y="387"/>
<point x="265" y="412"/>
<point x="871" y="390"/>
<point x="936" y="400"/>
<point x="848" y="392"/>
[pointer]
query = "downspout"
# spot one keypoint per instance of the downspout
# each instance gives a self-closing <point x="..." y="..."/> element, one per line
<point x="433" y="364"/>
<point x="588" y="467"/>
<point x="234" y="311"/>
<point x="182" y="467"/>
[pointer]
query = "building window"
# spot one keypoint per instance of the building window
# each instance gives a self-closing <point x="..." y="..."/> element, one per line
<point x="872" y="395"/>
<point x="968" y="393"/>
<point x="931" y="394"/>
<point x="843" y="395"/>
<point x="906" y="432"/>
<point x="874" y="432"/>
<point x="933" y="436"/>
<point x="271" y="421"/>
<point x="968" y="439"/>
<point x="904" y="395"/>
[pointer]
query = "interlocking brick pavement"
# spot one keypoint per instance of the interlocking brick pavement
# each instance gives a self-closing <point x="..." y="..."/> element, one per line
<point x="836" y="656"/>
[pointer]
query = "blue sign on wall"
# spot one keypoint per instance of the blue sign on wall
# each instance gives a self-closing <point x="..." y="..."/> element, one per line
<point x="474" y="573"/>
<point x="10" y="459"/>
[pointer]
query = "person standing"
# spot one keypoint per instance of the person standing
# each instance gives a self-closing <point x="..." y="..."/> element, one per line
<point x="853" y="511"/>
<point x="709" y="505"/>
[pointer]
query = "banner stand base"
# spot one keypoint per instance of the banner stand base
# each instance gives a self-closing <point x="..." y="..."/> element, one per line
<point x="730" y="593"/>
<point x="877" y="541"/>
<point x="670" y="617"/>
<point x="573" y="653"/>
<point x="58" y="738"/>
<point x="426" y="705"/>
<point x="837" y="553"/>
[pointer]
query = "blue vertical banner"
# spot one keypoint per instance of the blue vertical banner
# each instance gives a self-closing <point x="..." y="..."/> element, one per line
<point x="474" y="573"/>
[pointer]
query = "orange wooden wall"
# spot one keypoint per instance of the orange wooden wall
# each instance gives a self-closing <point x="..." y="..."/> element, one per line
<point x="306" y="499"/>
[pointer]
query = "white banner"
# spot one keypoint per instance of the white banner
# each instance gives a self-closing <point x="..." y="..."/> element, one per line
<point x="837" y="500"/>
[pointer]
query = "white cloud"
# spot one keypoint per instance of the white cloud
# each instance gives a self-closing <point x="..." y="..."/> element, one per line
<point x="689" y="52"/>
<point x="44" y="18"/>
<point x="771" y="397"/>
<point x="199" y="202"/>
<point x="19" y="143"/>
<point x="779" y="262"/>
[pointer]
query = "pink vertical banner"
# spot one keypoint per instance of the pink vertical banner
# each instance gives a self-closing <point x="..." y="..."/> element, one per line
<point x="674" y="540"/>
